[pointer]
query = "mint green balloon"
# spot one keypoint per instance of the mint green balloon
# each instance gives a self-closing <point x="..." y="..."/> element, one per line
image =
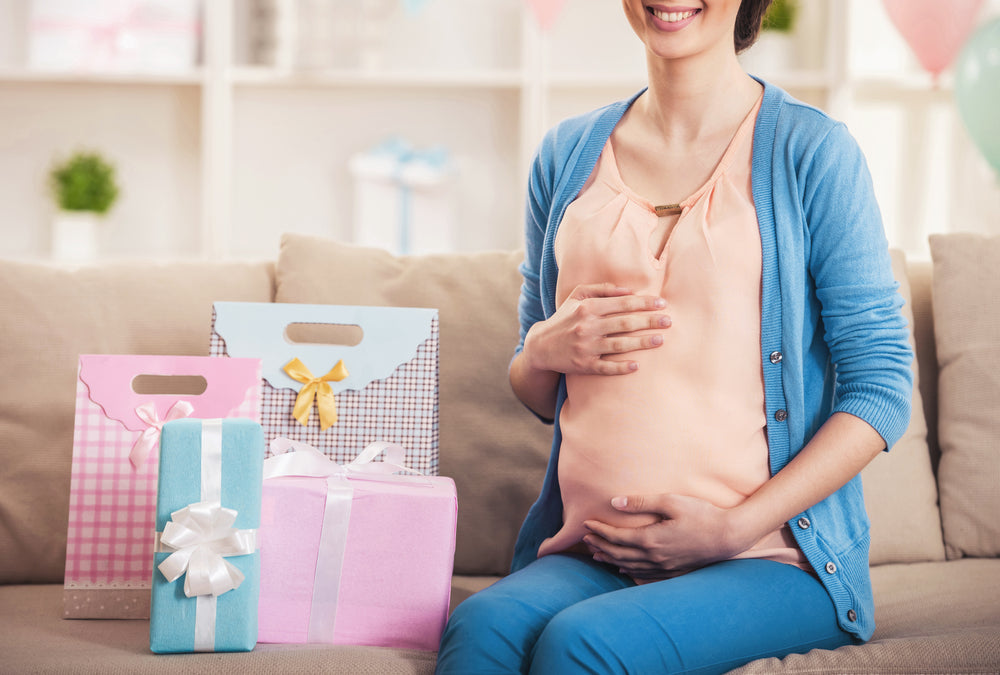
<point x="977" y="89"/>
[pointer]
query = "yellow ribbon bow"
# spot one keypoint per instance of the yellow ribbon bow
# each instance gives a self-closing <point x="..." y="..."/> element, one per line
<point x="318" y="388"/>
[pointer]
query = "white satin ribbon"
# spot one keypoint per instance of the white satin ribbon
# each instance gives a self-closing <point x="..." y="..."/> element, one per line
<point x="150" y="436"/>
<point x="200" y="537"/>
<point x="306" y="460"/>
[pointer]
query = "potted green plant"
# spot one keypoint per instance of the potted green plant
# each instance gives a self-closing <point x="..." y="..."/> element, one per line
<point x="85" y="188"/>
<point x="780" y="16"/>
<point x="774" y="50"/>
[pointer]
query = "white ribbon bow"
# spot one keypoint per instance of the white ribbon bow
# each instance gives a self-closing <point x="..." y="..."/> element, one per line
<point x="308" y="461"/>
<point x="200" y="535"/>
<point x="150" y="436"/>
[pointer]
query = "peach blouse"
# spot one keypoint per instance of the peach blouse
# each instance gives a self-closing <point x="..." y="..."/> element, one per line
<point x="691" y="419"/>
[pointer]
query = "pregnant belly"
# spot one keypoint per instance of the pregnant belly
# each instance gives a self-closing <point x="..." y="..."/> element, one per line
<point x="604" y="458"/>
<point x="616" y="442"/>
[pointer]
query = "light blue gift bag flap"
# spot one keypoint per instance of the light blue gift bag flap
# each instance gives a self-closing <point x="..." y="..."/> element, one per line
<point x="390" y="338"/>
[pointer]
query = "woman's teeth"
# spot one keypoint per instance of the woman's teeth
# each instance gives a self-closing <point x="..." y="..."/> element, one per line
<point x="673" y="17"/>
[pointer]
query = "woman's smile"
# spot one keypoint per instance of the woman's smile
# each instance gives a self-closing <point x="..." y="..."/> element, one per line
<point x="672" y="18"/>
<point x="672" y="15"/>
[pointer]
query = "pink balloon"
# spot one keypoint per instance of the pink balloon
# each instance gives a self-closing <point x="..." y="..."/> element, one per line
<point x="934" y="29"/>
<point x="546" y="11"/>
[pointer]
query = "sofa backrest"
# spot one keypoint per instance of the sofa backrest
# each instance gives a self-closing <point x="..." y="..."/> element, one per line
<point x="919" y="273"/>
<point x="490" y="444"/>
<point x="48" y="316"/>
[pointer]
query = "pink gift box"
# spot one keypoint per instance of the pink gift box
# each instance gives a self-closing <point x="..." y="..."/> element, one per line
<point x="159" y="36"/>
<point x="379" y="575"/>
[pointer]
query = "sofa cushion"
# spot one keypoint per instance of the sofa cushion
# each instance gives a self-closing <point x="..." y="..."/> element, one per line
<point x="967" y="328"/>
<point x="35" y="639"/>
<point x="495" y="449"/>
<point x="53" y="314"/>
<point x="900" y="493"/>
<point x="938" y="617"/>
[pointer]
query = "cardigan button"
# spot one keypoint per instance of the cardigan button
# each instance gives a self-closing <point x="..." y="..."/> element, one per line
<point x="776" y="357"/>
<point x="852" y="616"/>
<point x="804" y="523"/>
<point x="831" y="568"/>
<point x="781" y="415"/>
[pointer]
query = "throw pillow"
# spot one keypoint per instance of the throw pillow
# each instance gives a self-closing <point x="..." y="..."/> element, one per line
<point x="967" y="327"/>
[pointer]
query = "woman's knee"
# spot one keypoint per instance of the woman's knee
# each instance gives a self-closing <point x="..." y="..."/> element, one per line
<point x="577" y="641"/>
<point x="485" y="634"/>
<point x="474" y="618"/>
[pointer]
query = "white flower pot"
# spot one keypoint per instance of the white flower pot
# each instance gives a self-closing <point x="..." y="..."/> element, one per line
<point x="74" y="236"/>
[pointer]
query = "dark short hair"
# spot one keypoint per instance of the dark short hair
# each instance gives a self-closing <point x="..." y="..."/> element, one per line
<point x="748" y="22"/>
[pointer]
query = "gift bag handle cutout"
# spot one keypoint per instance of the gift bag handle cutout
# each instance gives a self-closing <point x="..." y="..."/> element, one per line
<point x="332" y="334"/>
<point x="122" y="384"/>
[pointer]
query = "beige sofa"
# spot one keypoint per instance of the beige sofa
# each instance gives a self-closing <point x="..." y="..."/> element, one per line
<point x="935" y="570"/>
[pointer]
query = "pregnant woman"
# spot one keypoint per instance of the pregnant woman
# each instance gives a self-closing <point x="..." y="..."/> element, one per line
<point x="709" y="318"/>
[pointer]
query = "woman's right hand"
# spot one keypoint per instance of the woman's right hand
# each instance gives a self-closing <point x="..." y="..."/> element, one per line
<point x="596" y="321"/>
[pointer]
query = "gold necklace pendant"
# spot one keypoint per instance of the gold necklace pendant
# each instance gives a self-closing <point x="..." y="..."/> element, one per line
<point x="667" y="210"/>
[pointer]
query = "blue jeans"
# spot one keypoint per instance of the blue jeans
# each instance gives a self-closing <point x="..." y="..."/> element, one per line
<point x="569" y="614"/>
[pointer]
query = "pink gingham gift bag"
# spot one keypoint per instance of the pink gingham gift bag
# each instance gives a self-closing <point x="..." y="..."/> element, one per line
<point x="115" y="462"/>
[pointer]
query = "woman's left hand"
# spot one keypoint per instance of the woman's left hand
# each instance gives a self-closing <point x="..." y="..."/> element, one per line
<point x="691" y="533"/>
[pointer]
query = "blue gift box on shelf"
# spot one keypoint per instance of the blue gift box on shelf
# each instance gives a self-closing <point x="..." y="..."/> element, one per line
<point x="206" y="575"/>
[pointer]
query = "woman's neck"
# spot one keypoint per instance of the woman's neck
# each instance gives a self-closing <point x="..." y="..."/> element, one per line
<point x="697" y="97"/>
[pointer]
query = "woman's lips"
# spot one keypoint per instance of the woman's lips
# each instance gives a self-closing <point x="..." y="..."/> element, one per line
<point x="672" y="18"/>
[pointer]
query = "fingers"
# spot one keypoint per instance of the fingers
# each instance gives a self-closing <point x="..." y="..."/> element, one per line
<point x="594" y="328"/>
<point x="625" y="304"/>
<point x="606" y="551"/>
<point x="606" y="290"/>
<point x="602" y="337"/>
<point x="610" y="536"/>
<point x="603" y="366"/>
<point x="661" y="504"/>
<point x="620" y="325"/>
<point x="607" y="299"/>
<point x="621" y="344"/>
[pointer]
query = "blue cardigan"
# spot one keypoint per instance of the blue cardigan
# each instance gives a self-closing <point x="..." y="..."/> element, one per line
<point x="832" y="334"/>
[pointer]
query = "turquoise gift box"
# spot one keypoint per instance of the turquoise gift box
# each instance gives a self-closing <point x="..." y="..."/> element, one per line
<point x="206" y="568"/>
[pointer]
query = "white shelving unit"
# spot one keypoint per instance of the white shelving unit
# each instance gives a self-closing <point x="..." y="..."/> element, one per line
<point x="218" y="161"/>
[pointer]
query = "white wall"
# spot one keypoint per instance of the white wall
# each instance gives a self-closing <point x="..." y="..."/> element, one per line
<point x="291" y="140"/>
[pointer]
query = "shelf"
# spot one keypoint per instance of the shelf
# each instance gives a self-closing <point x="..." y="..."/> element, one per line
<point x="30" y="76"/>
<point x="567" y="80"/>
<point x="513" y="82"/>
<point x="259" y="76"/>
<point x="916" y="86"/>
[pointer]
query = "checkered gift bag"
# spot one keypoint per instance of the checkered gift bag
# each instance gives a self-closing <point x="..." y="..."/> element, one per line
<point x="112" y="503"/>
<point x="339" y="394"/>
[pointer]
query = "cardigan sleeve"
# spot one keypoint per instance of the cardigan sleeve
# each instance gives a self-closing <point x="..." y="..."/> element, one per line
<point x="529" y="306"/>
<point x="849" y="262"/>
